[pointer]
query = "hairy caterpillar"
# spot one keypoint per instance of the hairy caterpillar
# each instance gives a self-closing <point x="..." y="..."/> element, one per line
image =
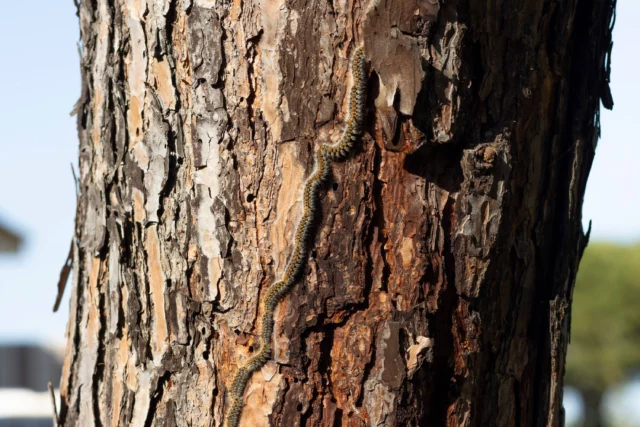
<point x="326" y="154"/>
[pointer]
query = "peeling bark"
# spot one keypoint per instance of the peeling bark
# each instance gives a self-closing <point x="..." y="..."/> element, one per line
<point x="439" y="288"/>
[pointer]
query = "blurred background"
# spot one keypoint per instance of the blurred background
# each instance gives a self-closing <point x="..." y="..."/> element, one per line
<point x="40" y="83"/>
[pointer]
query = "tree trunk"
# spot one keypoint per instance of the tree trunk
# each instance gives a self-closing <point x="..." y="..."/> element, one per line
<point x="438" y="285"/>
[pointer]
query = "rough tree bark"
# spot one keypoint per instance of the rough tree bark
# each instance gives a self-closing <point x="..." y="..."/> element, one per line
<point x="438" y="291"/>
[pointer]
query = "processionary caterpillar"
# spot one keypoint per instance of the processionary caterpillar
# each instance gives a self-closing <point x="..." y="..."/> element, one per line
<point x="325" y="155"/>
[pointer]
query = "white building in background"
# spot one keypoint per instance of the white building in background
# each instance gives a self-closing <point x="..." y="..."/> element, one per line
<point x="29" y="367"/>
<point x="21" y="407"/>
<point x="25" y="369"/>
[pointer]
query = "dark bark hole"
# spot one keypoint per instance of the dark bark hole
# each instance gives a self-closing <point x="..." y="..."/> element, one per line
<point x="250" y="349"/>
<point x="338" y="417"/>
<point x="335" y="186"/>
<point x="401" y="118"/>
<point x="299" y="407"/>
<point x="314" y="253"/>
<point x="250" y="198"/>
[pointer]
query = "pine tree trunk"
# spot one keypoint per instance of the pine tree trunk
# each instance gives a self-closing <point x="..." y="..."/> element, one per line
<point x="438" y="287"/>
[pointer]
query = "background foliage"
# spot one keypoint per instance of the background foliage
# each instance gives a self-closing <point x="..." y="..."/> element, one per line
<point x="605" y="324"/>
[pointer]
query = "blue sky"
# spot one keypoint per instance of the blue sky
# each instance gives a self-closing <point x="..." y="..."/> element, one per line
<point x="612" y="199"/>
<point x="39" y="82"/>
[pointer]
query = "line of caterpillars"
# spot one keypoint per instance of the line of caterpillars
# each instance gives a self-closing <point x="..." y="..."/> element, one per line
<point x="326" y="154"/>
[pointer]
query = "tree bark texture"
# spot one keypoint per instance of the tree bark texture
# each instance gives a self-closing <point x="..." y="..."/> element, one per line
<point x="438" y="290"/>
